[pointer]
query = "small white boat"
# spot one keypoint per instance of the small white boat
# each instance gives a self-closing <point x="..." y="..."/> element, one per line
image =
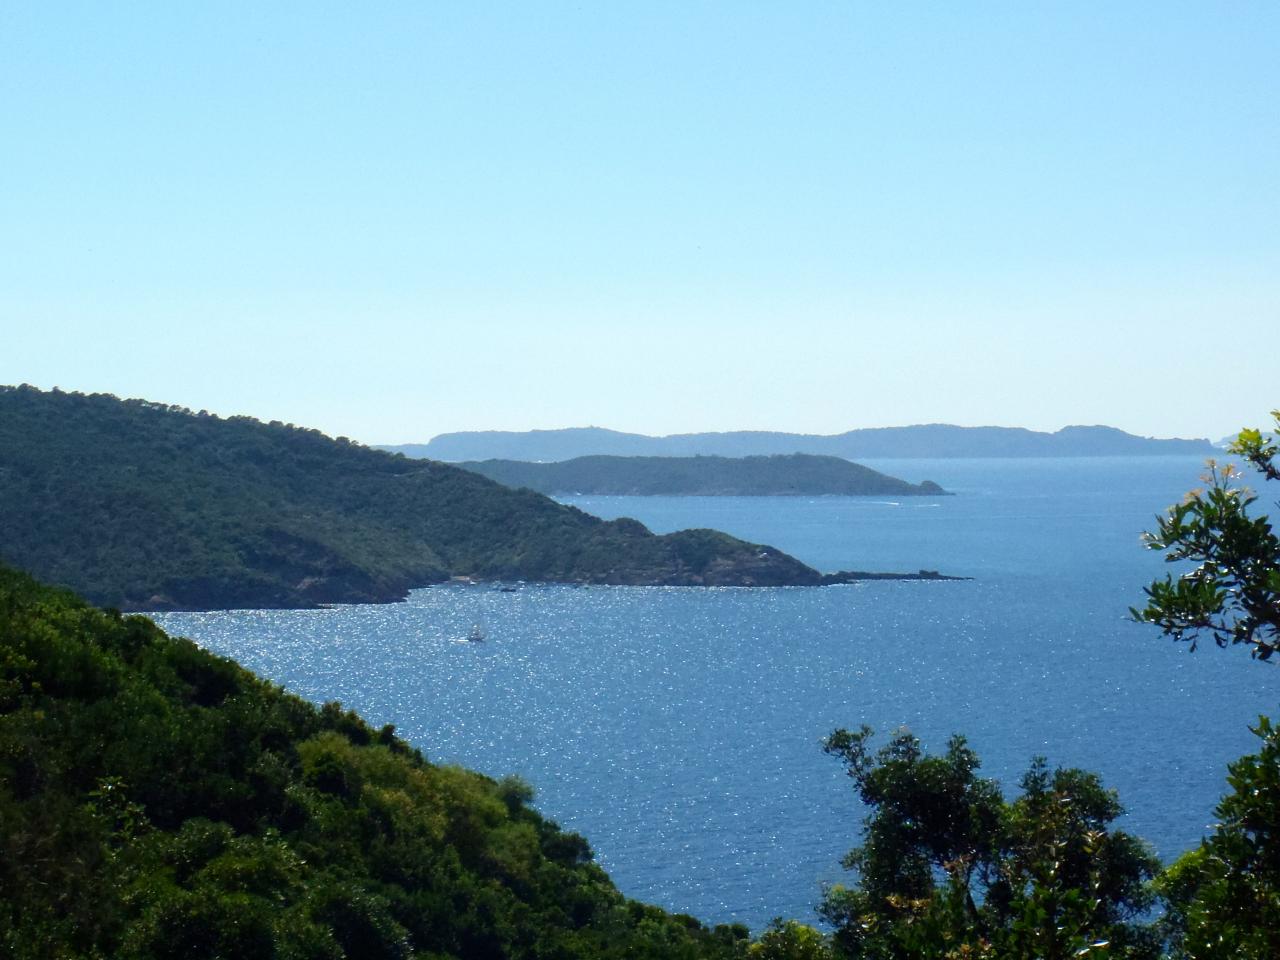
<point x="476" y="635"/>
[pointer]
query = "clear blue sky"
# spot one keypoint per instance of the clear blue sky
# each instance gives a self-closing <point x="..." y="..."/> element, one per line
<point x="393" y="220"/>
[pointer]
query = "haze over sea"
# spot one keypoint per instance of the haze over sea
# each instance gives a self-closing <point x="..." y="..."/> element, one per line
<point x="679" y="729"/>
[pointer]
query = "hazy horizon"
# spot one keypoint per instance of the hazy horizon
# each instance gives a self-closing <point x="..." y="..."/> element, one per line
<point x="887" y="426"/>
<point x="266" y="417"/>
<point x="397" y="221"/>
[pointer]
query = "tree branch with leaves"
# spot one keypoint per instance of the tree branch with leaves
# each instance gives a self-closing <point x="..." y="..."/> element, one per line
<point x="1232" y="595"/>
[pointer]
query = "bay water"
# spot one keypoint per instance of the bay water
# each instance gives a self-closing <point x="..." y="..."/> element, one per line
<point x="680" y="729"/>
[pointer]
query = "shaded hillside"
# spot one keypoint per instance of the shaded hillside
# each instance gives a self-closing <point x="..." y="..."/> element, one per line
<point x="157" y="801"/>
<point x="779" y="475"/>
<point x="139" y="505"/>
<point x="922" y="440"/>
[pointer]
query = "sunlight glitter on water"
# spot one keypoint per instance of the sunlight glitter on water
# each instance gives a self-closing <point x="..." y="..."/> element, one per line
<point x="679" y="729"/>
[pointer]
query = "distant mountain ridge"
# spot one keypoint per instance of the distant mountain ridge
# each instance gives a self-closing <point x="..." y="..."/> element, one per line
<point x="939" y="440"/>
<point x="795" y="474"/>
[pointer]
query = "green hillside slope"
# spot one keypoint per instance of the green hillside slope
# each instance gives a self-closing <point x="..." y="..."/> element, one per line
<point x="157" y="801"/>
<point x="140" y="505"/>
<point x="780" y="475"/>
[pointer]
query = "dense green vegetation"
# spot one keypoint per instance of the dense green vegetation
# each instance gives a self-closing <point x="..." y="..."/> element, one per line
<point x="791" y="475"/>
<point x="157" y="801"/>
<point x="949" y="866"/>
<point x="141" y="506"/>
<point x="950" y="869"/>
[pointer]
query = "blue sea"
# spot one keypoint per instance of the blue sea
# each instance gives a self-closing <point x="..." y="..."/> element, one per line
<point x="680" y="729"/>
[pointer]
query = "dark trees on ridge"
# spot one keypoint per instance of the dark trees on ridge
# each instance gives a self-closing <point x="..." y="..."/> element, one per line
<point x="949" y="868"/>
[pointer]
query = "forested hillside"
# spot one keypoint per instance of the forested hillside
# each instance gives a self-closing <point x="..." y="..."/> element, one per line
<point x="158" y="801"/>
<point x="139" y="505"/>
<point x="780" y="475"/>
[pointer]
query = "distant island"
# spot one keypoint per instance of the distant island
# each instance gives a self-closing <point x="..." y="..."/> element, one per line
<point x="796" y="474"/>
<point x="925" y="440"/>
<point x="144" y="506"/>
<point x="857" y="576"/>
